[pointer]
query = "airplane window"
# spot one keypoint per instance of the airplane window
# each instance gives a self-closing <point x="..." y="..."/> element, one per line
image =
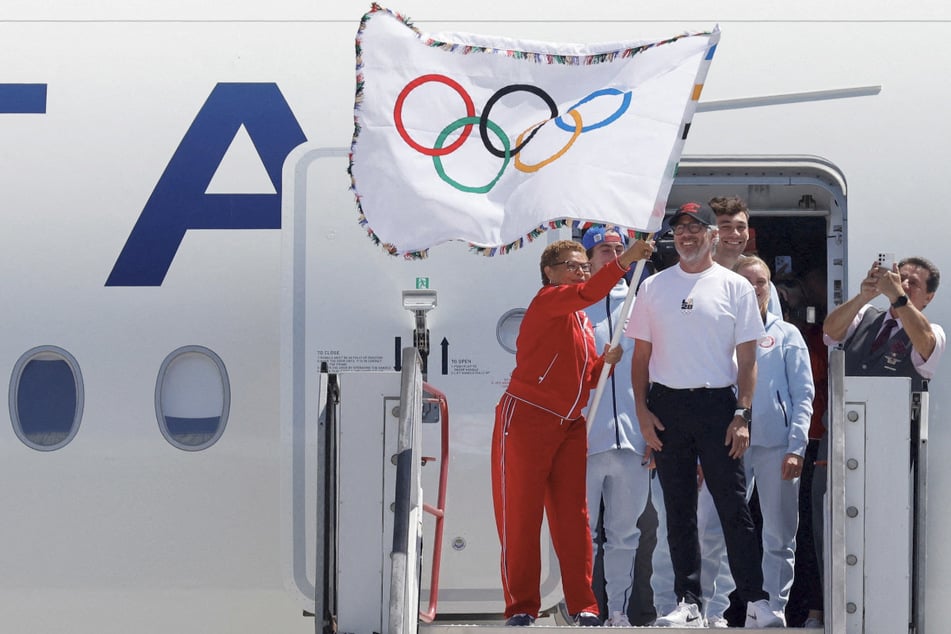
<point x="46" y="398"/>
<point x="192" y="398"/>
<point x="506" y="331"/>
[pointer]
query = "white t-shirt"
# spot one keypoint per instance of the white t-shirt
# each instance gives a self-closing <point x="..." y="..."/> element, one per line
<point x="694" y="322"/>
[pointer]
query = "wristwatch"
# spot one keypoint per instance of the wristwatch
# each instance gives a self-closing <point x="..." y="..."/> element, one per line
<point x="901" y="301"/>
<point x="745" y="413"/>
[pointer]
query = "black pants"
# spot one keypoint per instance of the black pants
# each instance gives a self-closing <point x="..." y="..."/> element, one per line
<point x="695" y="424"/>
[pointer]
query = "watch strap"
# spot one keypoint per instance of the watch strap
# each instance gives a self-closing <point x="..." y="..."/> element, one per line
<point x="901" y="301"/>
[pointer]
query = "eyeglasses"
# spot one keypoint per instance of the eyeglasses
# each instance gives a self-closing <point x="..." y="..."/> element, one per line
<point x="690" y="227"/>
<point x="573" y="266"/>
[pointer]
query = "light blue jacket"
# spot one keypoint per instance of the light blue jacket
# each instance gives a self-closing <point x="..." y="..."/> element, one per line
<point x="615" y="425"/>
<point x="782" y="402"/>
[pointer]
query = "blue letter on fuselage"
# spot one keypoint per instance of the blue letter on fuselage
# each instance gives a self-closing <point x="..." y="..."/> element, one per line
<point x="179" y="202"/>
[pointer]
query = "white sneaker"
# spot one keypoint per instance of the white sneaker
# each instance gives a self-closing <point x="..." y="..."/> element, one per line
<point x="718" y="622"/>
<point x="685" y="615"/>
<point x="617" y="619"/>
<point x="759" y="615"/>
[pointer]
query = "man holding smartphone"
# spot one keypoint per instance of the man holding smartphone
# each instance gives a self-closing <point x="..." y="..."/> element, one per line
<point x="897" y="342"/>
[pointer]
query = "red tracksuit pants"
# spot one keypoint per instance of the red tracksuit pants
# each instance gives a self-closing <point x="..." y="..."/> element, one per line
<point x="539" y="465"/>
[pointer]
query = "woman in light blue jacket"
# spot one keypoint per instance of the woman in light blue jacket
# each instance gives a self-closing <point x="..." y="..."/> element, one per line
<point x="782" y="409"/>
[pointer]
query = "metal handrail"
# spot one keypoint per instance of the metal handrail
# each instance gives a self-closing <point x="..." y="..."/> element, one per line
<point x="403" y="584"/>
<point x="439" y="511"/>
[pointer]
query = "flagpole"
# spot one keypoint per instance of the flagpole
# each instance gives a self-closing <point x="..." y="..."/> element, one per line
<point x="615" y="340"/>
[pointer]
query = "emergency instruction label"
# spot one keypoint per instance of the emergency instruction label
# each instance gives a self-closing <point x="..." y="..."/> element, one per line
<point x="345" y="362"/>
<point x="465" y="366"/>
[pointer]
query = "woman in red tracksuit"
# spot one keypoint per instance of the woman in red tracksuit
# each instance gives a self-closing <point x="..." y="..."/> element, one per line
<point x="539" y="444"/>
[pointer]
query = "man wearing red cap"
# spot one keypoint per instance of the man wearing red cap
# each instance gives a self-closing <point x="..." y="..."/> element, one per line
<point x="695" y="326"/>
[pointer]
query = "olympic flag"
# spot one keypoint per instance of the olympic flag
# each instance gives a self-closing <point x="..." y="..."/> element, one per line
<point x="492" y="141"/>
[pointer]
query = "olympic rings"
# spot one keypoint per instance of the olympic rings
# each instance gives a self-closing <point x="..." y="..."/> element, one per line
<point x="625" y="104"/>
<point x="468" y="121"/>
<point x="398" y="114"/>
<point x="485" y="124"/>
<point x="552" y="106"/>
<point x="579" y="128"/>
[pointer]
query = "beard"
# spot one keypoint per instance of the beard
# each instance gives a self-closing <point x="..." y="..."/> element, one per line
<point x="692" y="257"/>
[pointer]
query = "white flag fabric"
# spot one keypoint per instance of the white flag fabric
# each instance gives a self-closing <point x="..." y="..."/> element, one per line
<point x="492" y="140"/>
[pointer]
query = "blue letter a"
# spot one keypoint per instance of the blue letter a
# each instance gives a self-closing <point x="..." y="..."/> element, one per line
<point x="179" y="202"/>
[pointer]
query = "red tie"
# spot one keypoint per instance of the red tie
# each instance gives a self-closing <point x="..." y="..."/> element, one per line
<point x="884" y="334"/>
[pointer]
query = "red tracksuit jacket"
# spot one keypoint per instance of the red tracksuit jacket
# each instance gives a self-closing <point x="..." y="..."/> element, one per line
<point x="557" y="365"/>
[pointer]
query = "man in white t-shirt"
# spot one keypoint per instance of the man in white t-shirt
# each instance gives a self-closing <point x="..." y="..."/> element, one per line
<point x="733" y="234"/>
<point x="696" y="325"/>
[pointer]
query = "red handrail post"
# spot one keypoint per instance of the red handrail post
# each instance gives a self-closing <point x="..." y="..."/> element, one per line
<point x="439" y="511"/>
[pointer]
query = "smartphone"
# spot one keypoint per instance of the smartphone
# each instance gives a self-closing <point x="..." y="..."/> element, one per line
<point x="886" y="260"/>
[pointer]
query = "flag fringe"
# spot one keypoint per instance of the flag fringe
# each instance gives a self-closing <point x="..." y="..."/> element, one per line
<point x="465" y="49"/>
<point x="549" y="58"/>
